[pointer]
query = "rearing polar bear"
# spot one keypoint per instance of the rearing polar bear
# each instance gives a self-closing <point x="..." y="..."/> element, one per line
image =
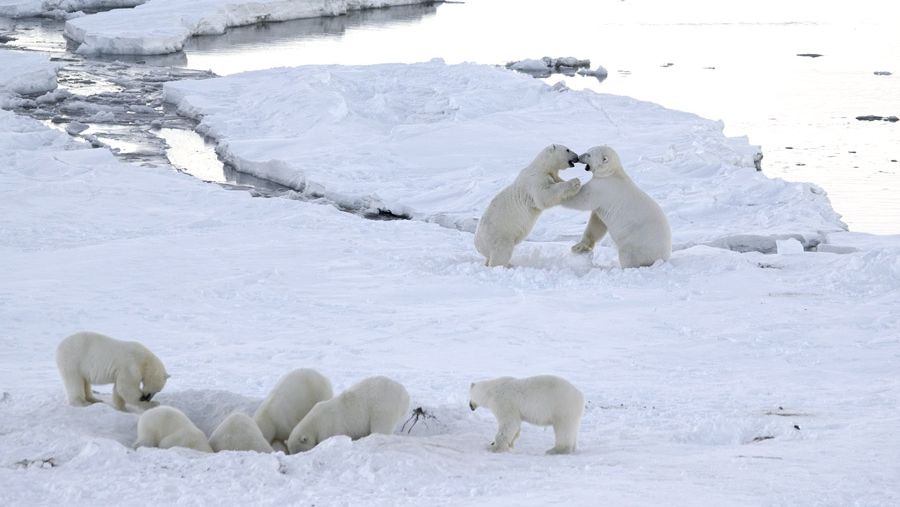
<point x="513" y="212"/>
<point x="636" y="223"/>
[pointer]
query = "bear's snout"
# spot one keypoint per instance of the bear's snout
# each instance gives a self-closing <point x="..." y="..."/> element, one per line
<point x="147" y="397"/>
<point x="472" y="406"/>
<point x="584" y="159"/>
<point x="573" y="159"/>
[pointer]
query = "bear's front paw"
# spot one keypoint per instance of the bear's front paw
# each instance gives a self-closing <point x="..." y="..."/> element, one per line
<point x="574" y="186"/>
<point x="582" y="248"/>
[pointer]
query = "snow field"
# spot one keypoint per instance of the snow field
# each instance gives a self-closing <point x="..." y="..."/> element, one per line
<point x="683" y="365"/>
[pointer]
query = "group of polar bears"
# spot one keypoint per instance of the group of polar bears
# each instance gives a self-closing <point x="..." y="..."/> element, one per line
<point x="301" y="410"/>
<point x="633" y="219"/>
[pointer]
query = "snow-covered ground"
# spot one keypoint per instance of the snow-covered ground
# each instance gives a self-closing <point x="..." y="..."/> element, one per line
<point x="438" y="141"/>
<point x="717" y="378"/>
<point x="163" y="26"/>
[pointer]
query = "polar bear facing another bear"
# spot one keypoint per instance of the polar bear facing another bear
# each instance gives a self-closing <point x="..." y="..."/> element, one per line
<point x="636" y="223"/>
<point x="167" y="427"/>
<point x="289" y="402"/>
<point x="91" y="358"/>
<point x="544" y="400"/>
<point x="372" y="405"/>
<point x="511" y="215"/>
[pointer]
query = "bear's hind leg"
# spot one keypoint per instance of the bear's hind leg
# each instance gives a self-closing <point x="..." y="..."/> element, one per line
<point x="500" y="255"/>
<point x="88" y="393"/>
<point x="566" y="436"/>
<point x="75" y="392"/>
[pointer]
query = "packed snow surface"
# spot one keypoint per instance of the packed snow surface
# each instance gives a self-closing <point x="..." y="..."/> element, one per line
<point x="25" y="73"/>
<point x="716" y="378"/>
<point x="438" y="141"/>
<point x="163" y="26"/>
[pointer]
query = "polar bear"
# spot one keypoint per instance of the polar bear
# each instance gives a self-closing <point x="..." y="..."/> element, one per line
<point x="289" y="402"/>
<point x="513" y="212"/>
<point x="544" y="400"/>
<point x="372" y="405"/>
<point x="238" y="432"/>
<point x="166" y="427"/>
<point x="636" y="223"/>
<point x="91" y="358"/>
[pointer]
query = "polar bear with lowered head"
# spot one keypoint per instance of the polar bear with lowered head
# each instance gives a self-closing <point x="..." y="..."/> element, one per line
<point x="167" y="427"/>
<point x="511" y="215"/>
<point x="544" y="400"/>
<point x="289" y="402"/>
<point x="91" y="358"/>
<point x="636" y="223"/>
<point x="238" y="432"/>
<point x="372" y="405"/>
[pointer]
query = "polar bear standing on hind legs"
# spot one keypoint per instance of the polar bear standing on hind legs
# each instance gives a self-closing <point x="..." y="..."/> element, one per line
<point x="636" y="223"/>
<point x="513" y="212"/>
<point x="544" y="400"/>
<point x="91" y="358"/>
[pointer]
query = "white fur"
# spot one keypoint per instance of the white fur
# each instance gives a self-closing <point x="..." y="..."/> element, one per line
<point x="166" y="427"/>
<point x="92" y="358"/>
<point x="373" y="405"/>
<point x="544" y="400"/>
<point x="636" y="223"/>
<point x="289" y="402"/>
<point x="238" y="432"/>
<point x="513" y="212"/>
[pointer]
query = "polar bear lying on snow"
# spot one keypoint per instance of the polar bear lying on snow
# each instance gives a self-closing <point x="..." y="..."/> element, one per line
<point x="238" y="432"/>
<point x="289" y="402"/>
<point x="544" y="400"/>
<point x="91" y="358"/>
<point x="167" y="427"/>
<point x="513" y="212"/>
<point x="373" y="405"/>
<point x="636" y="223"/>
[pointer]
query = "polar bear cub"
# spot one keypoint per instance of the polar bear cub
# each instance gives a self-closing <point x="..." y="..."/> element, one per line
<point x="289" y="402"/>
<point x="373" y="405"/>
<point x="636" y="223"/>
<point x="91" y="358"/>
<point x="544" y="400"/>
<point x="238" y="432"/>
<point x="511" y="215"/>
<point x="166" y="427"/>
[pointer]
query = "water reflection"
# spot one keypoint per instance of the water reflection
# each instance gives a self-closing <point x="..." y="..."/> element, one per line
<point x="268" y="45"/>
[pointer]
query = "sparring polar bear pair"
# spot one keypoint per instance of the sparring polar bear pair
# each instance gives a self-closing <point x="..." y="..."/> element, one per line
<point x="89" y="358"/>
<point x="633" y="219"/>
<point x="544" y="400"/>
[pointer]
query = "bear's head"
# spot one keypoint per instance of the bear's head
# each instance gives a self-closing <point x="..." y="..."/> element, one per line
<point x="301" y="441"/>
<point x="478" y="393"/>
<point x="601" y="160"/>
<point x="555" y="158"/>
<point x="153" y="378"/>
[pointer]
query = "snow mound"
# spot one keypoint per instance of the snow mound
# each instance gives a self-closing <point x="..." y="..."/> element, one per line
<point x="163" y="26"/>
<point x="25" y="73"/>
<point x="437" y="142"/>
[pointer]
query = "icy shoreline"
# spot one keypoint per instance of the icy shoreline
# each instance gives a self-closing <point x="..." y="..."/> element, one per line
<point x="436" y="142"/>
<point x="163" y="26"/>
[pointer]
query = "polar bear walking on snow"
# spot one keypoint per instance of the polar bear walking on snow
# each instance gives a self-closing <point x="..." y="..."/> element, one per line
<point x="91" y="358"/>
<point x="636" y="223"/>
<point x="372" y="405"/>
<point x="544" y="400"/>
<point x="167" y="427"/>
<point x="293" y="397"/>
<point x="238" y="432"/>
<point x="513" y="212"/>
